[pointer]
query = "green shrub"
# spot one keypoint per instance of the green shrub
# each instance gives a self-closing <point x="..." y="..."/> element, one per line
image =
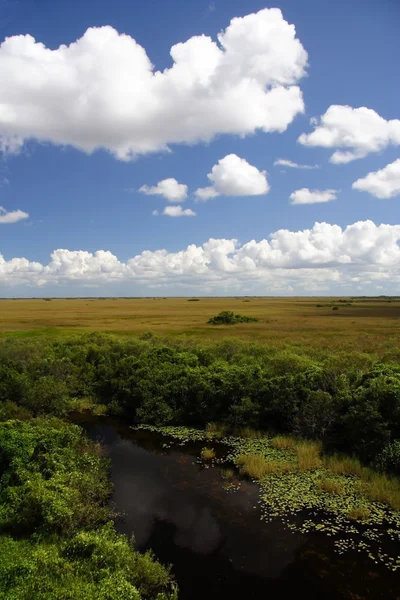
<point x="389" y="458"/>
<point x="228" y="317"/>
<point x="92" y="565"/>
<point x="52" y="478"/>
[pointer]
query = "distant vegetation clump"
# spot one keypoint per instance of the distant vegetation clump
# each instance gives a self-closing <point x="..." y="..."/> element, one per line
<point x="193" y="299"/>
<point x="228" y="317"/>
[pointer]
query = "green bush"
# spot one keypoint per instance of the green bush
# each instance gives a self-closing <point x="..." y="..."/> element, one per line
<point x="92" y="565"/>
<point x="51" y="478"/>
<point x="228" y="317"/>
<point x="389" y="458"/>
<point x="53" y="484"/>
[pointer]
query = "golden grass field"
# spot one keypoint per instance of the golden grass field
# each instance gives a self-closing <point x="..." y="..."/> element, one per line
<point x="364" y="325"/>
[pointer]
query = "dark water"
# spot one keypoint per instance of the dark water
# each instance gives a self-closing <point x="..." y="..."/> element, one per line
<point x="214" y="538"/>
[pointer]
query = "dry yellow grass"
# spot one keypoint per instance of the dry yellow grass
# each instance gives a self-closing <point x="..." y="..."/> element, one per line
<point x="359" y="513"/>
<point x="381" y="488"/>
<point x="249" y="432"/>
<point x="227" y="473"/>
<point x="308" y="455"/>
<point x="207" y="453"/>
<point x="366" y="325"/>
<point x="344" y="465"/>
<point x="332" y="486"/>
<point x="283" y="442"/>
<point x="215" y="430"/>
<point x="256" y="466"/>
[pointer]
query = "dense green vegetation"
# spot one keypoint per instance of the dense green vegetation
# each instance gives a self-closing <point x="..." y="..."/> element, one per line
<point x="57" y="540"/>
<point x="350" y="401"/>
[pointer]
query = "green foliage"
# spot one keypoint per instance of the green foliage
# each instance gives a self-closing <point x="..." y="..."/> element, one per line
<point x="52" y="479"/>
<point x="91" y="565"/>
<point x="53" y="484"/>
<point x="345" y="399"/>
<point x="228" y="317"/>
<point x="389" y="458"/>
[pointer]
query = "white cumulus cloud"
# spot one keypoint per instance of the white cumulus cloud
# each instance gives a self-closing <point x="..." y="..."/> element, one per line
<point x="382" y="184"/>
<point x="102" y="91"/>
<point x="178" y="211"/>
<point x="234" y="176"/>
<point x="323" y="258"/>
<point x="170" y="189"/>
<point x="306" y="196"/>
<point x="12" y="216"/>
<point x="283" y="162"/>
<point x="358" y="131"/>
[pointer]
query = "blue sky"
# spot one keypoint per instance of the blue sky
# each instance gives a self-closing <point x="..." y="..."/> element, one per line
<point x="84" y="128"/>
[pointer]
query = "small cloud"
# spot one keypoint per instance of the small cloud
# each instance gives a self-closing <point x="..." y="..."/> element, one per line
<point x="170" y="189"/>
<point x="234" y="176"/>
<point x="306" y="196"/>
<point x="282" y="162"/>
<point x="204" y="194"/>
<point x="177" y="211"/>
<point x="155" y="213"/>
<point x="12" y="216"/>
<point x="211" y="7"/>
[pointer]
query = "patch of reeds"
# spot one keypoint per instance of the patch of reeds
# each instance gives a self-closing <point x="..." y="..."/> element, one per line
<point x="216" y="430"/>
<point x="332" y="486"/>
<point x="344" y="465"/>
<point x="359" y="513"/>
<point x="249" y="432"/>
<point x="381" y="488"/>
<point x="207" y="453"/>
<point x="256" y="466"/>
<point x="283" y="442"/>
<point x="308" y="455"/>
<point x="227" y="473"/>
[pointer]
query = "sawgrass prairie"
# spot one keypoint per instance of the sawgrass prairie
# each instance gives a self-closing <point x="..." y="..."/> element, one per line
<point x="362" y="324"/>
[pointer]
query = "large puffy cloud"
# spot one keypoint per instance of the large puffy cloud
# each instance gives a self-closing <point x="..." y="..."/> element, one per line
<point x="306" y="196"/>
<point x="12" y="216"/>
<point x="168" y="188"/>
<point x="323" y="257"/>
<point x="103" y="92"/>
<point x="358" y="130"/>
<point x="234" y="176"/>
<point x="382" y="184"/>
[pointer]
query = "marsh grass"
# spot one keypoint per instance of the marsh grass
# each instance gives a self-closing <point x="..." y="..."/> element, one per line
<point x="227" y="473"/>
<point x="308" y="455"/>
<point x="207" y="453"/>
<point x="215" y="430"/>
<point x="344" y="465"/>
<point x="250" y="433"/>
<point x="283" y="442"/>
<point x="257" y="467"/>
<point x="375" y="486"/>
<point x="359" y="513"/>
<point x="285" y="321"/>
<point x="380" y="488"/>
<point x="332" y="486"/>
